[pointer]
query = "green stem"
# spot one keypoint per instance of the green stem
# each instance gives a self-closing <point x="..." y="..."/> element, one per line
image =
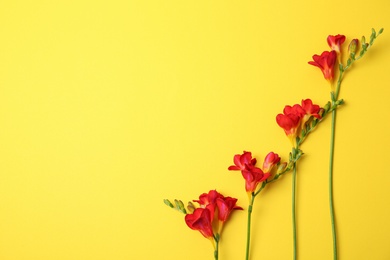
<point x="248" y="233"/>
<point x="331" y="160"/>
<point x="216" y="238"/>
<point x="294" y="176"/>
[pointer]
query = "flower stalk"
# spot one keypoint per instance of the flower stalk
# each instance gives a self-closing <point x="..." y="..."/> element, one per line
<point x="294" y="222"/>
<point x="352" y="48"/>
<point x="248" y="230"/>
<point x="216" y="239"/>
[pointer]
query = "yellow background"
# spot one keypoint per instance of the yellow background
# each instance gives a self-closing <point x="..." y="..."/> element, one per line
<point x="108" y="107"/>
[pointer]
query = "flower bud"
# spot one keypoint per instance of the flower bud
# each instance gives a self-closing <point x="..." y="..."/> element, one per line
<point x="352" y="48"/>
<point x="180" y="206"/>
<point x="191" y="207"/>
<point x="281" y="168"/>
<point x="168" y="203"/>
<point x="327" y="107"/>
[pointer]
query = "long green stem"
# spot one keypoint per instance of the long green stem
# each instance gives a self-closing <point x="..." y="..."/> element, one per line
<point x="216" y="238"/>
<point x="331" y="160"/>
<point x="248" y="233"/>
<point x="294" y="224"/>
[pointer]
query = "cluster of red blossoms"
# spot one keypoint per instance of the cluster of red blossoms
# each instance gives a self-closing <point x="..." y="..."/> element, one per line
<point x="327" y="60"/>
<point x="295" y="117"/>
<point x="213" y="211"/>
<point x="254" y="175"/>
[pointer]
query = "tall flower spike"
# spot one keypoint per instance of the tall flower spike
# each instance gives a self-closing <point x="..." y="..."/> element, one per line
<point x="326" y="62"/>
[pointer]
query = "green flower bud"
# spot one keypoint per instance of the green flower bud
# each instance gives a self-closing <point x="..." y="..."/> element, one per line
<point x="352" y="48"/>
<point x="281" y="168"/>
<point x="180" y="206"/>
<point x="327" y="107"/>
<point x="168" y="203"/>
<point x="315" y="121"/>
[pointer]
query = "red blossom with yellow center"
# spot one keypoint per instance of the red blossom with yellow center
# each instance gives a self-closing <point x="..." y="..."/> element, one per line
<point x="290" y="123"/>
<point x="326" y="62"/>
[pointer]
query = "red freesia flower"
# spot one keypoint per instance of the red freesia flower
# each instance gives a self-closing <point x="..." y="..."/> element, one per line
<point x="208" y="198"/>
<point x="252" y="174"/>
<point x="335" y="42"/>
<point x="310" y="109"/>
<point x="201" y="220"/>
<point x="270" y="160"/>
<point x="242" y="160"/>
<point x="295" y="116"/>
<point x="325" y="62"/>
<point x="289" y="123"/>
<point x="253" y="177"/>
<point x="295" y="109"/>
<point x="216" y="206"/>
<point x="225" y="206"/>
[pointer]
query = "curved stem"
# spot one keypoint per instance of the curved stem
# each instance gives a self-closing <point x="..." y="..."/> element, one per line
<point x="294" y="176"/>
<point x="248" y="232"/>
<point x="331" y="159"/>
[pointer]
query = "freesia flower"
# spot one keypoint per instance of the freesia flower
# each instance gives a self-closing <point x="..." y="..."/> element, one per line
<point x="335" y="42"/>
<point x="225" y="206"/>
<point x="201" y="220"/>
<point x="326" y="62"/>
<point x="290" y="124"/>
<point x="295" y="117"/>
<point x="310" y="109"/>
<point x="220" y="207"/>
<point x="270" y="161"/>
<point x="242" y="160"/>
<point x="253" y="175"/>
<point x="209" y="198"/>
<point x="295" y="109"/>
